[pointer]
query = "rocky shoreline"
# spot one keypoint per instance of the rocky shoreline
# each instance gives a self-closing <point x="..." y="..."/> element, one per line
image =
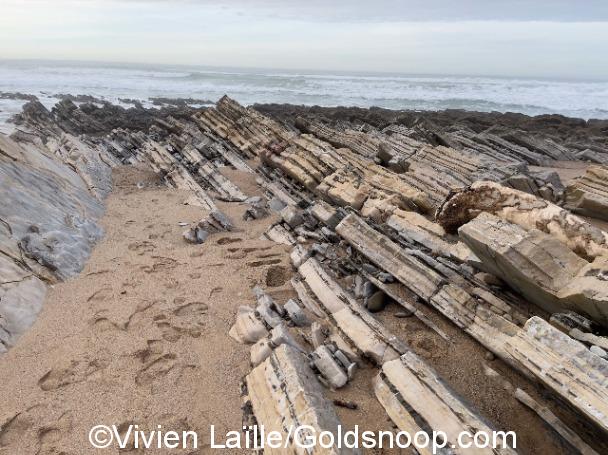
<point x="467" y="223"/>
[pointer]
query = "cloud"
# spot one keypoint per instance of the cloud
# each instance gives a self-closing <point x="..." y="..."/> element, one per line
<point x="387" y="10"/>
<point x="418" y="38"/>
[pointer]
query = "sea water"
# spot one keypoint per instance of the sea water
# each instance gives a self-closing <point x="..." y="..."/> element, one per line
<point x="116" y="82"/>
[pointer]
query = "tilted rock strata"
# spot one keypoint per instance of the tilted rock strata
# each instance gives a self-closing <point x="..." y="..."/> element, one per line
<point x="285" y="394"/>
<point x="588" y="195"/>
<point x="356" y="201"/>
<point x="513" y="136"/>
<point x="539" y="266"/>
<point x="523" y="349"/>
<point x="52" y="199"/>
<point x="526" y="211"/>
<point x="417" y="400"/>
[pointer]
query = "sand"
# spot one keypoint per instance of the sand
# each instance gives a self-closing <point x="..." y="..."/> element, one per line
<point x="141" y="335"/>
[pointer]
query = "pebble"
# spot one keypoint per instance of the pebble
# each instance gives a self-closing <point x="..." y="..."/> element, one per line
<point x="346" y="404"/>
<point x="599" y="351"/>
<point x="489" y="356"/>
<point x="376" y="302"/>
<point x="386" y="277"/>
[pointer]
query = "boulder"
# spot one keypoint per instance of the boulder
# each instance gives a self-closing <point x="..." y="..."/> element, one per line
<point x="215" y="222"/>
<point x="525" y="210"/>
<point x="539" y="266"/>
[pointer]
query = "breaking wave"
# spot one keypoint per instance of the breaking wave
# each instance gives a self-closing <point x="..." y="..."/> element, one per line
<point x="528" y="96"/>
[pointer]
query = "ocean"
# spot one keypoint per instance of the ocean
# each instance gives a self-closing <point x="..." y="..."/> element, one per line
<point x="116" y="82"/>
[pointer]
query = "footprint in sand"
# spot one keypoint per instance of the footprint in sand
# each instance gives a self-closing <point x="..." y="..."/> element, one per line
<point x="241" y="253"/>
<point x="13" y="430"/>
<point x="228" y="240"/>
<point x="142" y="248"/>
<point x="169" y="333"/>
<point x="173" y="330"/>
<point x="157" y="369"/>
<point x="183" y="319"/>
<point x="154" y="349"/>
<point x="215" y="290"/>
<point x="140" y="311"/>
<point x="50" y="437"/>
<point x="103" y="324"/>
<point x="105" y="320"/>
<point x="74" y="372"/>
<point x="101" y="295"/>
<point x="194" y="309"/>
<point x="160" y="264"/>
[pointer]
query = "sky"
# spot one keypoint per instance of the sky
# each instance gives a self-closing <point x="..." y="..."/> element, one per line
<point x="522" y="38"/>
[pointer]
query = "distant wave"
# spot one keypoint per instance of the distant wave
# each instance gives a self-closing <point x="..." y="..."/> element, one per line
<point x="528" y="96"/>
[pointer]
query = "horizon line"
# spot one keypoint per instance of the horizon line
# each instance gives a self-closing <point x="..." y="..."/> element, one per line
<point x="295" y="71"/>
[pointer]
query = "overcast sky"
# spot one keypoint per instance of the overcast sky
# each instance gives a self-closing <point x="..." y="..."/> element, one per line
<point x="537" y="38"/>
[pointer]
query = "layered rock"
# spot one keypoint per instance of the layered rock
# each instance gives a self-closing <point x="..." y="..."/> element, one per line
<point x="539" y="266"/>
<point x="588" y="195"/>
<point x="526" y="211"/>
<point x="492" y="322"/>
<point x="52" y="199"/>
<point x="355" y="199"/>
<point x="362" y="331"/>
<point x="513" y="136"/>
<point x="284" y="395"/>
<point x="418" y="400"/>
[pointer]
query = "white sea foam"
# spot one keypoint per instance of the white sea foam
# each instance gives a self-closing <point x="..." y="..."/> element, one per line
<point x="113" y="82"/>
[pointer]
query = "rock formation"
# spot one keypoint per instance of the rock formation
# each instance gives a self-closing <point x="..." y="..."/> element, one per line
<point x="52" y="198"/>
<point x="439" y="214"/>
<point x="539" y="266"/>
<point x="588" y="195"/>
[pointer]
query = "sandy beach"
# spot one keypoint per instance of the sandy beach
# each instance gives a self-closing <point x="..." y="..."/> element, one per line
<point x="141" y="335"/>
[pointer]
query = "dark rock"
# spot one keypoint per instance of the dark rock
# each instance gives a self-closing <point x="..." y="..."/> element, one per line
<point x="376" y="302"/>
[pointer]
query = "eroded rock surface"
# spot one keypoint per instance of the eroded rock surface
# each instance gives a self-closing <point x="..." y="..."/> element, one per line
<point x="539" y="266"/>
<point x="52" y="199"/>
<point x="438" y="214"/>
<point x="588" y="195"/>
